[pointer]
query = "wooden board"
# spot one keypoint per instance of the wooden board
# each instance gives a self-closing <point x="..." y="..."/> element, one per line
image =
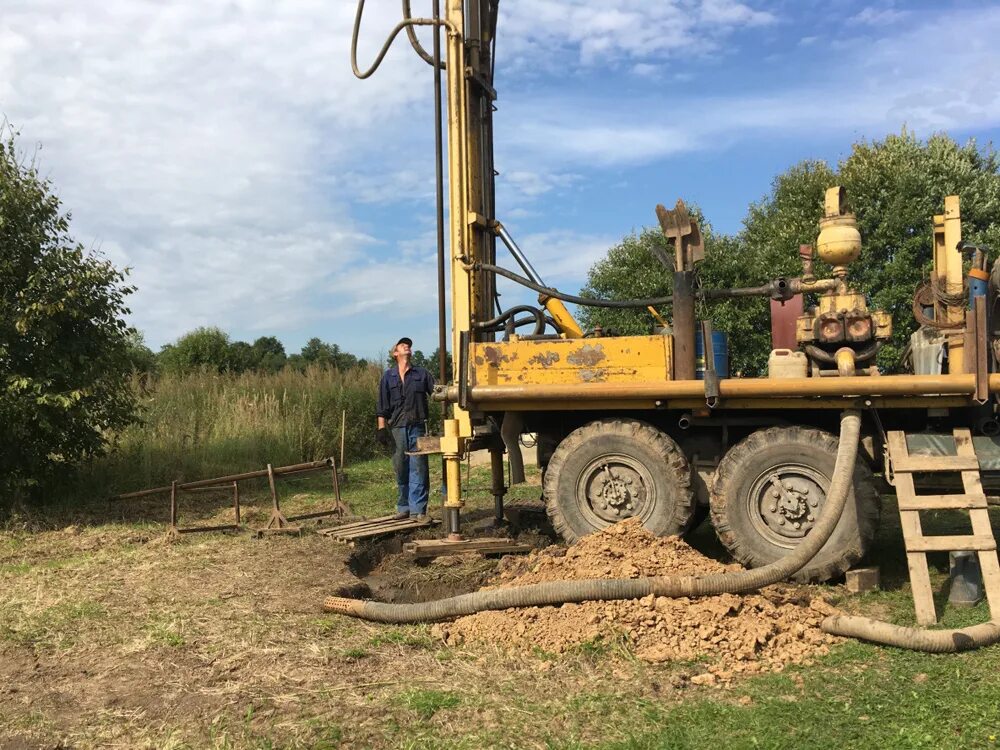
<point x="974" y="501"/>
<point x="374" y="527"/>
<point x="487" y="546"/>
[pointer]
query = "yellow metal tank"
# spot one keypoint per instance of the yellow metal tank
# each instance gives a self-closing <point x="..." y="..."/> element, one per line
<point x="839" y="241"/>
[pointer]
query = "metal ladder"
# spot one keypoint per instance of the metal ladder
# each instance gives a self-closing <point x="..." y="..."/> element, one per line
<point x="973" y="500"/>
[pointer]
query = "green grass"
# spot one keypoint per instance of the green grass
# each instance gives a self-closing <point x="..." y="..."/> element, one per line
<point x="426" y="703"/>
<point x="415" y="637"/>
<point x="54" y="627"/>
<point x="202" y="425"/>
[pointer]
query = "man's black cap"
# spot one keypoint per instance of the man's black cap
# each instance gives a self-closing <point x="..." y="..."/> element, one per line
<point x="405" y="340"/>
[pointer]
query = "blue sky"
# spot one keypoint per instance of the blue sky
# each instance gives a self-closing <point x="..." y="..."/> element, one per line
<point x="225" y="152"/>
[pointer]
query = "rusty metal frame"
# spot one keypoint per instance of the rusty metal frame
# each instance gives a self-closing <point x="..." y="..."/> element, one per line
<point x="175" y="530"/>
<point x="278" y="522"/>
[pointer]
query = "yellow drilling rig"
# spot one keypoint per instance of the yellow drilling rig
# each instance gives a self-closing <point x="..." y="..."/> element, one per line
<point x="653" y="426"/>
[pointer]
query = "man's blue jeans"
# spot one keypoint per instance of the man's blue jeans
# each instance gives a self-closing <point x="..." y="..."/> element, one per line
<point x="412" y="476"/>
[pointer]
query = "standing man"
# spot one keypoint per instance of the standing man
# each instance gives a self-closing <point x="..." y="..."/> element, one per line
<point x="402" y="409"/>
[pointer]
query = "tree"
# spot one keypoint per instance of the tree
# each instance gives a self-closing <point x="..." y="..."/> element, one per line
<point x="631" y="271"/>
<point x="140" y="356"/>
<point x="240" y="357"/>
<point x="433" y="364"/>
<point x="895" y="186"/>
<point x="269" y="354"/>
<point x="201" y="349"/>
<point x="319" y="352"/>
<point x="64" y="346"/>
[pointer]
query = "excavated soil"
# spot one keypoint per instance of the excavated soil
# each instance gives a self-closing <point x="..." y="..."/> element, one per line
<point x="732" y="634"/>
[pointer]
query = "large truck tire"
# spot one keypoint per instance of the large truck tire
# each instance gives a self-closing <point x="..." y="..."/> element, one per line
<point x="613" y="469"/>
<point x="769" y="490"/>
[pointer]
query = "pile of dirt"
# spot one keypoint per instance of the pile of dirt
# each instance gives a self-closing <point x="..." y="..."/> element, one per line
<point x="731" y="634"/>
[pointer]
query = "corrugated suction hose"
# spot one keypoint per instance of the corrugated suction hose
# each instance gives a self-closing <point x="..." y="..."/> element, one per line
<point x="559" y="592"/>
<point x="915" y="639"/>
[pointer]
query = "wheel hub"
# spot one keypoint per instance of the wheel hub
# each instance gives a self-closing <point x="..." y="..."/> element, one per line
<point x="615" y="490"/>
<point x="788" y="502"/>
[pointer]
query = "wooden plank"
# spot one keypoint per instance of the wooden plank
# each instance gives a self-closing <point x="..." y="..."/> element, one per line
<point x="346" y="533"/>
<point x="439" y="547"/>
<point x="920" y="586"/>
<point x="363" y="522"/>
<point x="990" y="568"/>
<point x="896" y="441"/>
<point x="951" y="543"/>
<point x="942" y="502"/>
<point x="922" y="463"/>
<point x="382" y="529"/>
<point x="909" y="521"/>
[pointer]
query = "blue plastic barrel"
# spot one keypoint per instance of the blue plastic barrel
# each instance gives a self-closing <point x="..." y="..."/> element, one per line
<point x="720" y="346"/>
<point x="977" y="286"/>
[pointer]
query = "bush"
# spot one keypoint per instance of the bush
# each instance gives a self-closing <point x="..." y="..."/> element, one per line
<point x="64" y="347"/>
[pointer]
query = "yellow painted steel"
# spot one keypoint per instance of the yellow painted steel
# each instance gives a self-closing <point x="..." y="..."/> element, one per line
<point x="451" y="446"/>
<point x="954" y="281"/>
<point x="562" y="316"/>
<point x="839" y="241"/>
<point x="880" y="385"/>
<point x="796" y="403"/>
<point x="616" y="360"/>
<point x="459" y="428"/>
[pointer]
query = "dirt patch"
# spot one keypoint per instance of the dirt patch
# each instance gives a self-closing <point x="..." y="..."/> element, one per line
<point x="732" y="634"/>
<point x="387" y="576"/>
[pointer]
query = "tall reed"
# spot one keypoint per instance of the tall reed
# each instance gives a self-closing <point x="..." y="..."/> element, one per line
<point x="205" y="424"/>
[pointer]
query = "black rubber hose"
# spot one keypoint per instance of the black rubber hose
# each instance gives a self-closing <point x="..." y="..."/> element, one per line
<point x="497" y="323"/>
<point x="573" y="299"/>
<point x="559" y="592"/>
<point x="708" y="294"/>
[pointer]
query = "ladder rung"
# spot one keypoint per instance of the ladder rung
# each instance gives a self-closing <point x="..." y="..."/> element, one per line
<point x="950" y="543"/>
<point x="942" y="502"/>
<point x="912" y="464"/>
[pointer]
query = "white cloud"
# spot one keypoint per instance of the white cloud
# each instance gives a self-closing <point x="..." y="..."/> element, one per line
<point x="646" y="70"/>
<point x="875" y="16"/>
<point x="192" y="141"/>
<point x="538" y="34"/>
<point x="226" y="152"/>
<point x="932" y="77"/>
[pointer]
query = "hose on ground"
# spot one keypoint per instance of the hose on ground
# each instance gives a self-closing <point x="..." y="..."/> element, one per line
<point x="559" y="592"/>
<point x="915" y="639"/>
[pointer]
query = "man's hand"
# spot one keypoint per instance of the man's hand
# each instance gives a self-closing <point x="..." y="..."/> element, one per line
<point x="384" y="437"/>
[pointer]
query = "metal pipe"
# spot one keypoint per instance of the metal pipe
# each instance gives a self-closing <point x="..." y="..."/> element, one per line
<point x="497" y="489"/>
<point x="883" y="385"/>
<point x="439" y="197"/>
<point x="310" y="466"/>
<point x="684" y="325"/>
<point x="845" y="362"/>
<point x="520" y="257"/>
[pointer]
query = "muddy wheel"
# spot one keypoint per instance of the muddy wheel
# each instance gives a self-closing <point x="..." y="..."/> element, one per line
<point x="768" y="493"/>
<point x="614" y="469"/>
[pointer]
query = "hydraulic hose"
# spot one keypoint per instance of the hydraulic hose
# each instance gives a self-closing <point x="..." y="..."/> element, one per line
<point x="571" y="298"/>
<point x="771" y="289"/>
<point x="406" y="23"/>
<point x="559" y="592"/>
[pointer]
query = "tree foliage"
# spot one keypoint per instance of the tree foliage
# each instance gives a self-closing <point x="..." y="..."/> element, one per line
<point x="64" y="346"/>
<point x="895" y="186"/>
<point x="206" y="348"/>
<point x="210" y="349"/>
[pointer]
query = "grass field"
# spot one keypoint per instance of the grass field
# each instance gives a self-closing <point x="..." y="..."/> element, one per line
<point x="112" y="635"/>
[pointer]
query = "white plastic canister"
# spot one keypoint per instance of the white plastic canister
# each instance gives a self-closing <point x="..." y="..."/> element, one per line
<point x="787" y="363"/>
